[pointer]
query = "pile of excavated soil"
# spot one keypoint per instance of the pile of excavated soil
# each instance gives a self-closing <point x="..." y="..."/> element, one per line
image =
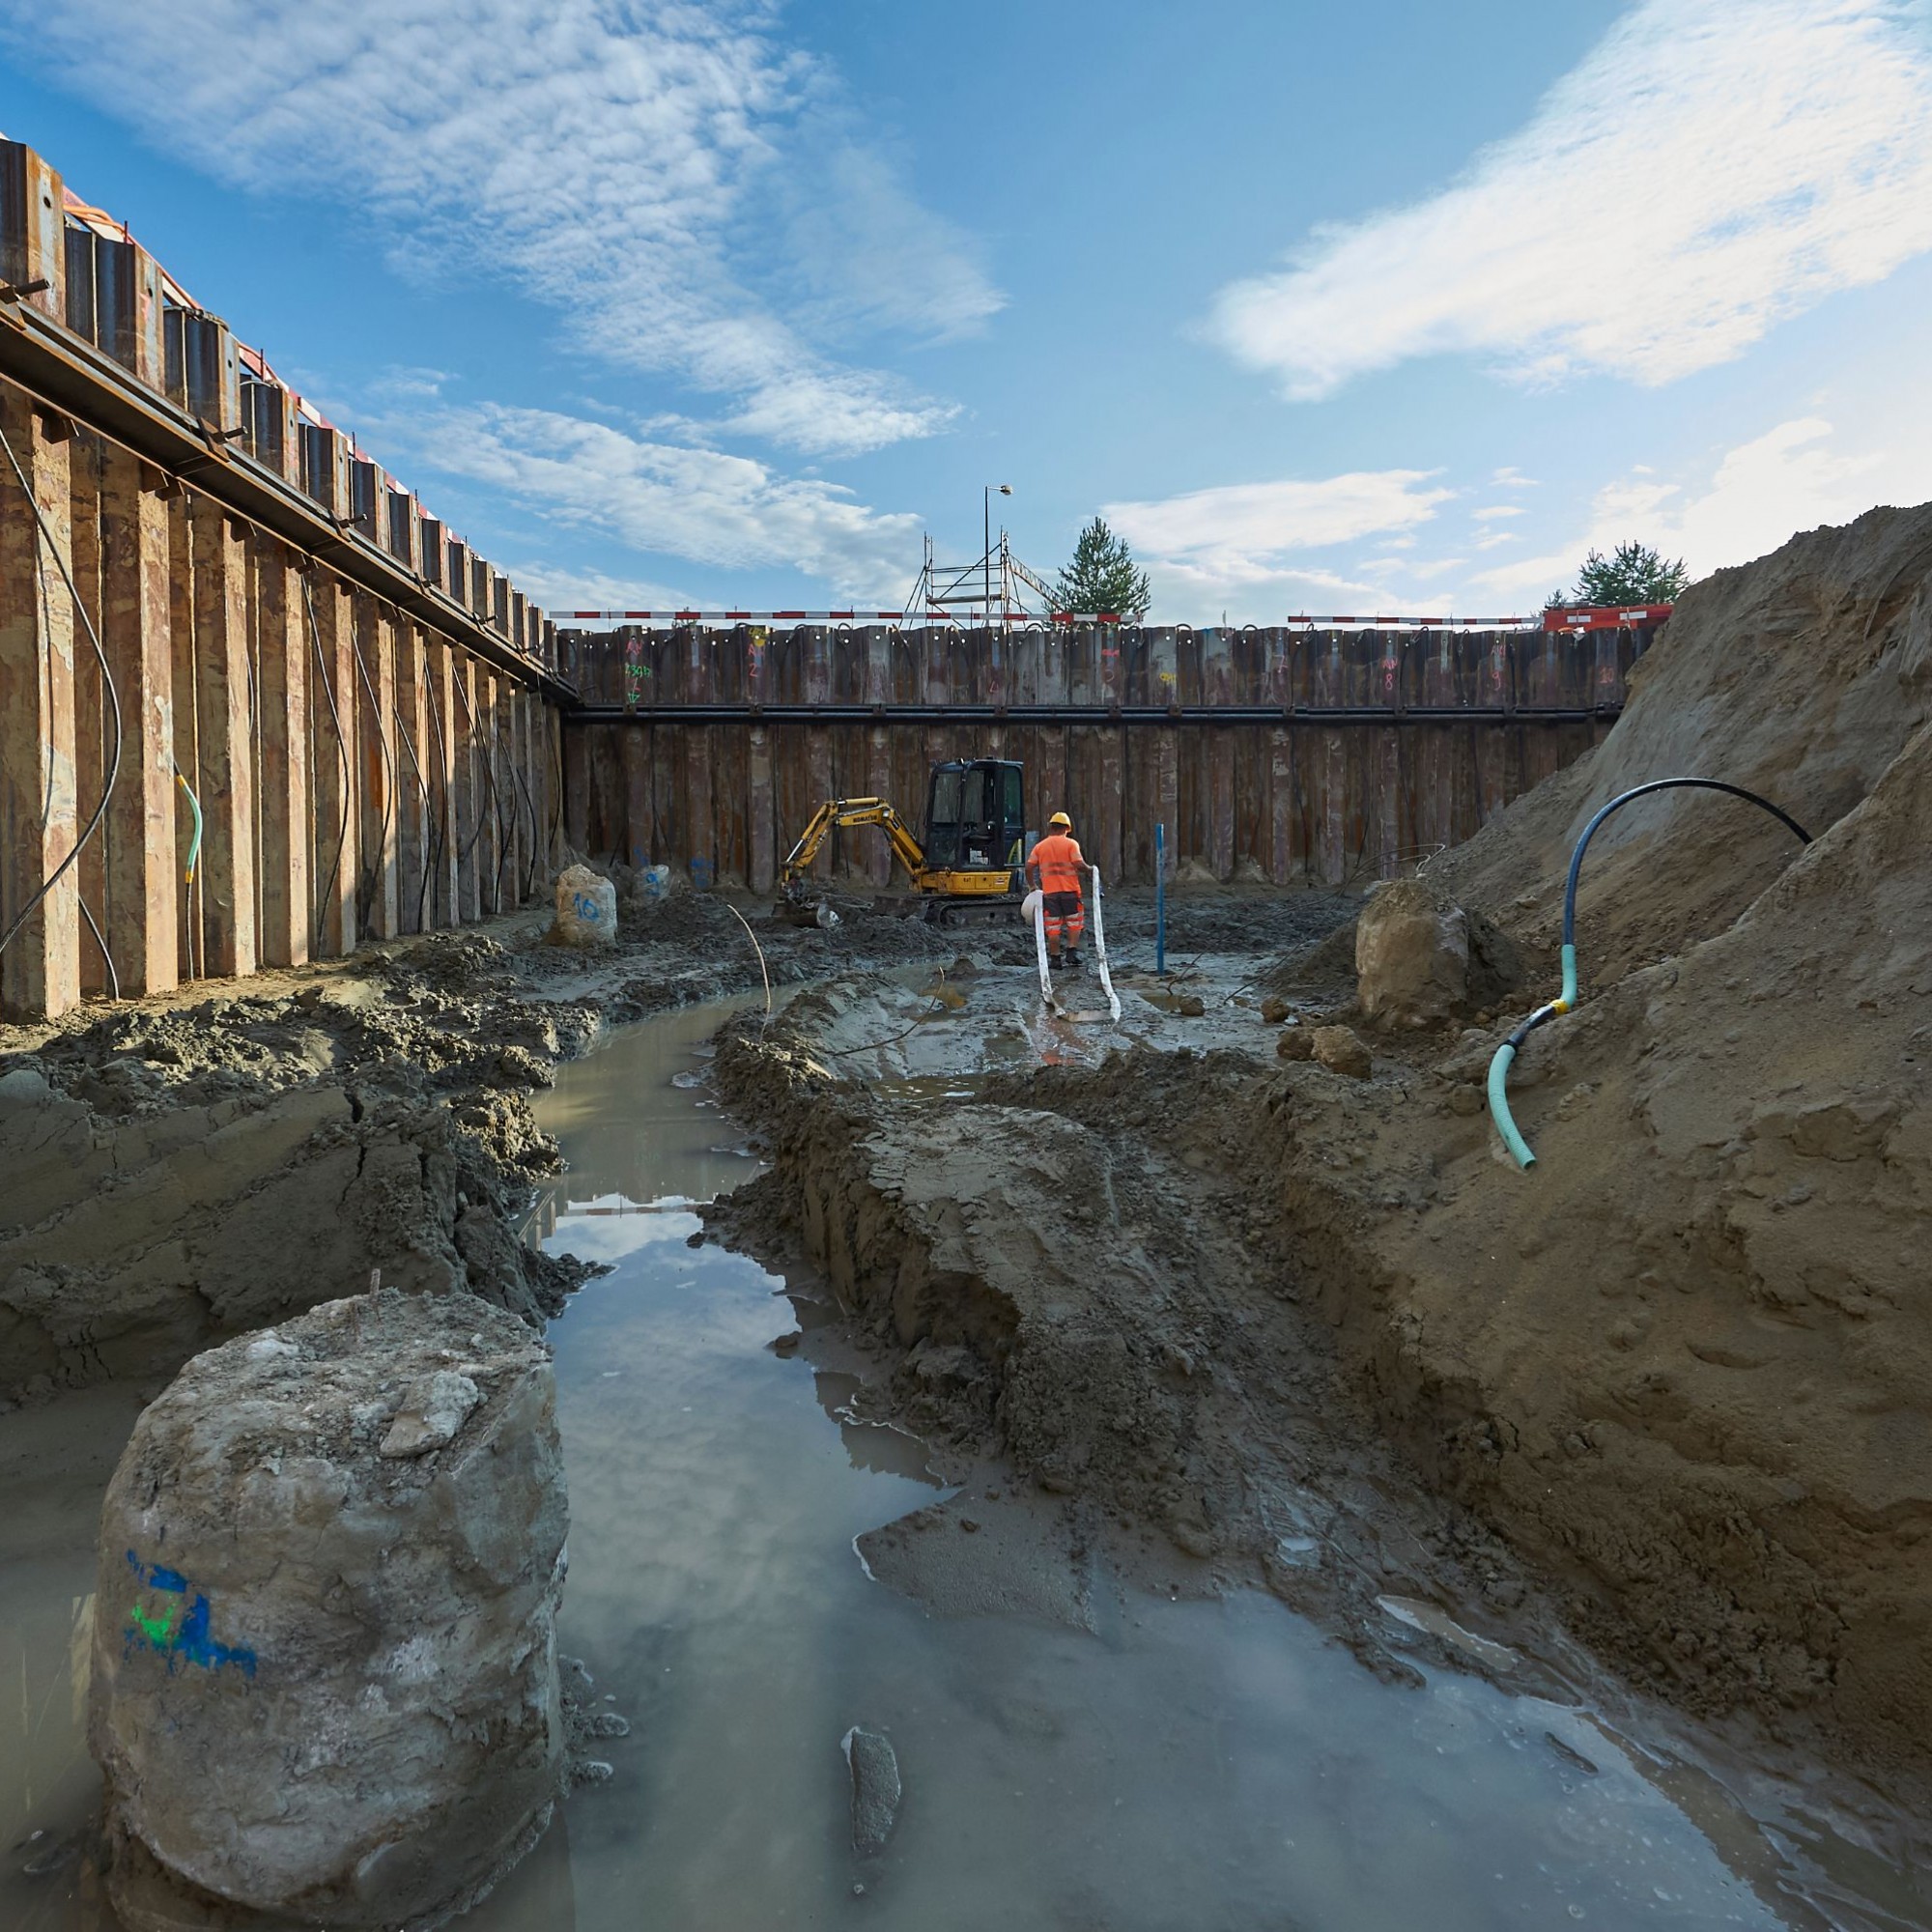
<point x="1801" y="676"/>
<point x="1687" y="1359"/>
<point x="177" y="1174"/>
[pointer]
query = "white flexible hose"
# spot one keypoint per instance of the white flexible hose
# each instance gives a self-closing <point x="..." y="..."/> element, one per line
<point x="1034" y="907"/>
<point x="1100" y="951"/>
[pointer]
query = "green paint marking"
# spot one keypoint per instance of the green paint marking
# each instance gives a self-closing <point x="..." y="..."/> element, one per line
<point x="156" y="1628"/>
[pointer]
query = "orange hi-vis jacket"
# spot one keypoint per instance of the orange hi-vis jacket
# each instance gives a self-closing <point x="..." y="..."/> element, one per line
<point x="1058" y="862"/>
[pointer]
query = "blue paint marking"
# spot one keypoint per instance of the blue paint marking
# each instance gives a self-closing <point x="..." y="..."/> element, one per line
<point x="188" y="1639"/>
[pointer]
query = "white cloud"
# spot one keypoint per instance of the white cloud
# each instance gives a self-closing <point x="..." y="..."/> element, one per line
<point x="655" y="170"/>
<point x="1251" y="532"/>
<point x="1497" y="539"/>
<point x="1244" y="546"/>
<point x="1186" y="593"/>
<point x="726" y="511"/>
<point x="557" y="587"/>
<point x="1497" y="512"/>
<point x="1711" y="167"/>
<point x="1794" y="477"/>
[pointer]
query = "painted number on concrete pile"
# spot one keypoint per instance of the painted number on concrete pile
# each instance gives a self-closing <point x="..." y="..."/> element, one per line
<point x="586" y="908"/>
<point x="167" y="1622"/>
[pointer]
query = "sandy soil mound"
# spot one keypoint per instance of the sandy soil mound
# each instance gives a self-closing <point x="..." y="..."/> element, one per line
<point x="1699" y="1326"/>
<point x="1801" y="676"/>
<point x="1685" y="1361"/>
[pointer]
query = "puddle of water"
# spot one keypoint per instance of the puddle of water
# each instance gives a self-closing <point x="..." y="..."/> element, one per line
<point x="1421" y="1616"/>
<point x="1208" y="1765"/>
<point x="54" y="1466"/>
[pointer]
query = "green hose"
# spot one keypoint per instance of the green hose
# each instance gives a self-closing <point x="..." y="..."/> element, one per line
<point x="194" y="843"/>
<point x="1566" y="1001"/>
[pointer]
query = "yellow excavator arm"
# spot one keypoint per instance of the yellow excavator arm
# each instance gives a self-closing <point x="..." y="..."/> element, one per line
<point x="852" y="811"/>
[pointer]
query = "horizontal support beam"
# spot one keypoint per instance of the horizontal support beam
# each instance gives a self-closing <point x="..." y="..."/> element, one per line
<point x="70" y="376"/>
<point x="1088" y="714"/>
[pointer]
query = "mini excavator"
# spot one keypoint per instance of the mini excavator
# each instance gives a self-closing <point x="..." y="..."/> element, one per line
<point x="971" y="857"/>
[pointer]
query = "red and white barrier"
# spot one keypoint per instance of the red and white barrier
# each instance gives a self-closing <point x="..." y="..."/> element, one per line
<point x="1579" y="617"/>
<point x="1603" y="616"/>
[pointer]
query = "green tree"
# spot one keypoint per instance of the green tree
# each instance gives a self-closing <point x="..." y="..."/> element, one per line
<point x="1103" y="577"/>
<point x="1635" y="573"/>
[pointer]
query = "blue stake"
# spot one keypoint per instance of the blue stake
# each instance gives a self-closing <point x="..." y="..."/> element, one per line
<point x="1160" y="900"/>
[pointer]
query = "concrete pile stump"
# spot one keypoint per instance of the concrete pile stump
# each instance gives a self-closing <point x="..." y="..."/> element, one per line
<point x="325" y="1682"/>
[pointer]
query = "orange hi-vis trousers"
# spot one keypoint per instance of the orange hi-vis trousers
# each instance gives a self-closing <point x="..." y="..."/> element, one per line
<point x="1065" y="917"/>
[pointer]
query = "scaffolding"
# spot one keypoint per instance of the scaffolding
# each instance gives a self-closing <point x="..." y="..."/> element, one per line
<point x="996" y="589"/>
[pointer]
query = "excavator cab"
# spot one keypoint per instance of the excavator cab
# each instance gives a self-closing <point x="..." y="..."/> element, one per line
<point x="970" y="863"/>
<point x="975" y="816"/>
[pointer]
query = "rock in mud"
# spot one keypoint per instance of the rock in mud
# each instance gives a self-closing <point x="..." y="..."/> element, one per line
<point x="876" y="1789"/>
<point x="586" y="909"/>
<point x="324" y="1680"/>
<point x="1341" y="1050"/>
<point x="1295" y="1042"/>
<point x="1412" y="956"/>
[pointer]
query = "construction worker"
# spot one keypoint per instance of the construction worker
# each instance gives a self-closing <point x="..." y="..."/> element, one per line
<point x="1054" y="865"/>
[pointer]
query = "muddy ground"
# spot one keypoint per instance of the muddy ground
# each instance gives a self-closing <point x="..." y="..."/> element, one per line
<point x="182" y="1170"/>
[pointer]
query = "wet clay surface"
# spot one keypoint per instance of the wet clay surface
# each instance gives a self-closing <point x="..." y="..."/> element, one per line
<point x="984" y="1711"/>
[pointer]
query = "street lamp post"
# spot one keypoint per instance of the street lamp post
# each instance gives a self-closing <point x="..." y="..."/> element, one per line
<point x="987" y="507"/>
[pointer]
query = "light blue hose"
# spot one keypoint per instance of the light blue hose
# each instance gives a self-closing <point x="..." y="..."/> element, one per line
<point x="194" y="843"/>
<point x="1499" y="1111"/>
<point x="1566" y="1001"/>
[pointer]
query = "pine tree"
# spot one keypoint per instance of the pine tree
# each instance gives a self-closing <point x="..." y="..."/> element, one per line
<point x="1635" y="575"/>
<point x="1103" y="577"/>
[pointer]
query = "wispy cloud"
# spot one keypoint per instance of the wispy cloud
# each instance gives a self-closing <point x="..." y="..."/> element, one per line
<point x="713" y="509"/>
<point x="655" y="170"/>
<point x="1794" y="476"/>
<point x="1251" y="531"/>
<point x="1497" y="512"/>
<point x="557" y="586"/>
<point x="1246" y="546"/>
<point x="1712" y="167"/>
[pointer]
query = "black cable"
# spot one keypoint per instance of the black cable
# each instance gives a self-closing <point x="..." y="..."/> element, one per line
<point x="505" y="818"/>
<point x="1617" y="804"/>
<point x="439" y="846"/>
<point x="496" y="809"/>
<point x="113" y="977"/>
<point x="114" y="709"/>
<point x="422" y="785"/>
<point x="530" y="871"/>
<point x="342" y="749"/>
<point x="366" y="898"/>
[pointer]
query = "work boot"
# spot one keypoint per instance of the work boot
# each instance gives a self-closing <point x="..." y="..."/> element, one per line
<point x="1054" y="962"/>
<point x="1073" y="963"/>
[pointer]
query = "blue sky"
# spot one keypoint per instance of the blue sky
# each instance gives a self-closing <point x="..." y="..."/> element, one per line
<point x="1391" y="306"/>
